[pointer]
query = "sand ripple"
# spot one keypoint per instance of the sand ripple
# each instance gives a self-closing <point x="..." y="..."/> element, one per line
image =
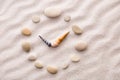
<point x="100" y="20"/>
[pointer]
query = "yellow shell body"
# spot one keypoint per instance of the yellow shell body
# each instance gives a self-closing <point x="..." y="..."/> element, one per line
<point x="59" y="39"/>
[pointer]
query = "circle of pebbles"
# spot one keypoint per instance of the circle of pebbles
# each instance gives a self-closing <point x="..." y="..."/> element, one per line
<point x="52" y="12"/>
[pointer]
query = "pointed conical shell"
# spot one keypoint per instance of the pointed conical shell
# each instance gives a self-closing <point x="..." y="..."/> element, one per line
<point x="59" y="39"/>
<point x="45" y="41"/>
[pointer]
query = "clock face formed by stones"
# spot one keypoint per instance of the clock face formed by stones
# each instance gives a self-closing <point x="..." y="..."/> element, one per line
<point x="53" y="12"/>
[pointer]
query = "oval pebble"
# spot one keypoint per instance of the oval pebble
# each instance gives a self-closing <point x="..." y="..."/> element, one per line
<point x="52" y="12"/>
<point x="65" y="66"/>
<point x="75" y="58"/>
<point x="32" y="57"/>
<point x="67" y="18"/>
<point x="77" y="30"/>
<point x="52" y="69"/>
<point x="38" y="64"/>
<point x="80" y="46"/>
<point x="36" y="18"/>
<point x="26" y="32"/>
<point x="26" y="46"/>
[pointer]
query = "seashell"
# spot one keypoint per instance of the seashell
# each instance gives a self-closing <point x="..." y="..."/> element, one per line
<point x="59" y="39"/>
<point x="56" y="42"/>
<point x="45" y="41"/>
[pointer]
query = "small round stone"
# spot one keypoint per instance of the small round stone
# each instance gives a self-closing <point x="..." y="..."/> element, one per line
<point x="36" y="18"/>
<point x="77" y="30"/>
<point x="52" y="12"/>
<point x="75" y="58"/>
<point x="38" y="64"/>
<point x="32" y="57"/>
<point x="80" y="46"/>
<point x="26" y="32"/>
<point x="52" y="69"/>
<point x="65" y="66"/>
<point x="26" y="46"/>
<point x="67" y="18"/>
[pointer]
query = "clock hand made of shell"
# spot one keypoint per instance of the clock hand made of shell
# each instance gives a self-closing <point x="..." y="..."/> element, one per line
<point x="56" y="42"/>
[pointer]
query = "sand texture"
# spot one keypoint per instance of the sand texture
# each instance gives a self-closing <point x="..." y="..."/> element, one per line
<point x="99" y="20"/>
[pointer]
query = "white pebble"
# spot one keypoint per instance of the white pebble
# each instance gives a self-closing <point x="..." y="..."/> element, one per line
<point x="65" y="66"/>
<point x="81" y="45"/>
<point x="77" y="30"/>
<point x="38" y="64"/>
<point x="36" y="18"/>
<point x="67" y="18"/>
<point x="52" y="69"/>
<point x="75" y="58"/>
<point x="32" y="57"/>
<point x="52" y="12"/>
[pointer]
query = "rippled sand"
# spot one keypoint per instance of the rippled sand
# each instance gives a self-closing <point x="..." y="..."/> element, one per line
<point x="100" y="20"/>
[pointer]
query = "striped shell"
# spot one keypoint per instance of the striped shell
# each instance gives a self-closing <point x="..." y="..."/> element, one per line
<point x="59" y="40"/>
<point x="56" y="42"/>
